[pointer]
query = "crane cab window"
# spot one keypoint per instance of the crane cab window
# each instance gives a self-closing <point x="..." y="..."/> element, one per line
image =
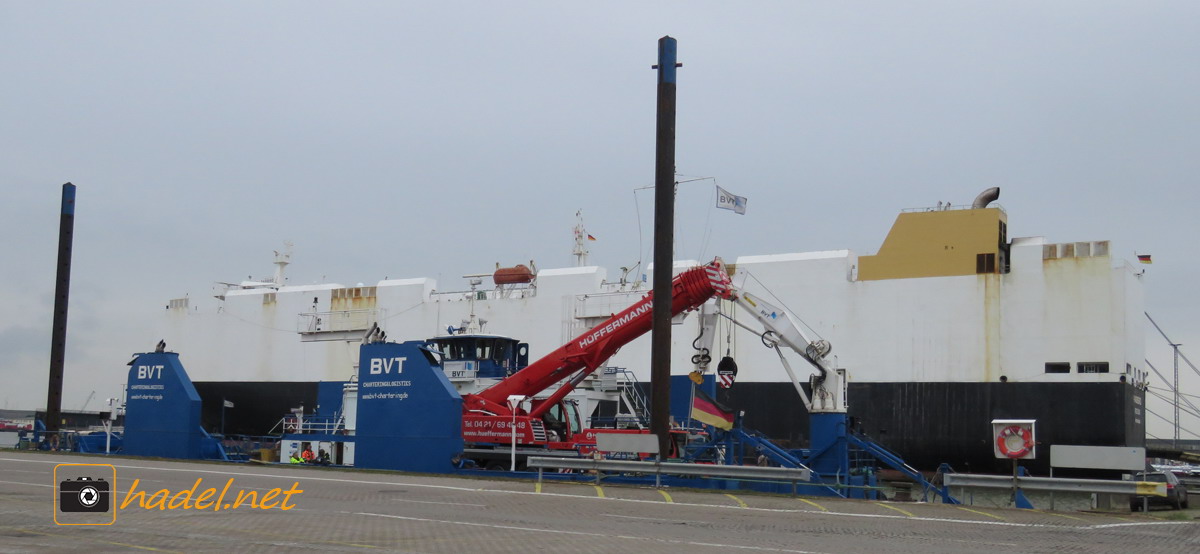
<point x="563" y="424"/>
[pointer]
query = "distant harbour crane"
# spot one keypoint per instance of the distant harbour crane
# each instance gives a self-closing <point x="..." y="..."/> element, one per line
<point x="86" y="402"/>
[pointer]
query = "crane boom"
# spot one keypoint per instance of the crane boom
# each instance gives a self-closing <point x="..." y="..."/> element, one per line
<point x="779" y="326"/>
<point x="583" y="355"/>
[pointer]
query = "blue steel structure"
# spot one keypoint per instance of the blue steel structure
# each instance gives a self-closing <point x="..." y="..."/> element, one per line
<point x="409" y="416"/>
<point x="829" y="454"/>
<point x="162" y="411"/>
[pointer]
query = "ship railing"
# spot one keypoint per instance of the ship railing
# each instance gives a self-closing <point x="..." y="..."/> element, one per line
<point x="632" y="396"/>
<point x="309" y="425"/>
<point x="948" y="207"/>
<point x="337" y="320"/>
<point x="504" y="292"/>
<point x="625" y="421"/>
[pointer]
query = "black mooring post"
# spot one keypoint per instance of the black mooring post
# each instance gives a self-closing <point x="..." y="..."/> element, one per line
<point x="62" y="289"/>
<point x="664" y="238"/>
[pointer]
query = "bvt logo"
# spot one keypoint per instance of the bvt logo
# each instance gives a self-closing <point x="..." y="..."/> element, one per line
<point x="149" y="372"/>
<point x="385" y="365"/>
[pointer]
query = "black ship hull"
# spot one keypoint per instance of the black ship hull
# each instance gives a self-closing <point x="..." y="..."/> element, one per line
<point x="933" y="423"/>
<point x="925" y="423"/>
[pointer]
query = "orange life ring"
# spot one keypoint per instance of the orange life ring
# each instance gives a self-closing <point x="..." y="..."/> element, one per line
<point x="1026" y="441"/>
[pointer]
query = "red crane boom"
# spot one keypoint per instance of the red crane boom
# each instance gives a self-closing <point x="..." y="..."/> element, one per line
<point x="583" y="355"/>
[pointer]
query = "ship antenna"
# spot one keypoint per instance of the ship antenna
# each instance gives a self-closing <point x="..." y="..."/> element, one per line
<point x="581" y="237"/>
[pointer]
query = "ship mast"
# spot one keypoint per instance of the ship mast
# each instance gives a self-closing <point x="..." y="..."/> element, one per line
<point x="282" y="259"/>
<point x="581" y="238"/>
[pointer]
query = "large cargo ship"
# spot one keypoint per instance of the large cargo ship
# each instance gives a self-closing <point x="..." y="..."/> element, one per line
<point x="949" y="325"/>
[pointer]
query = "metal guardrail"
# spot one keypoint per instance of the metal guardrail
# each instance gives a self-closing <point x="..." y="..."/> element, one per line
<point x="658" y="469"/>
<point x="1055" y="484"/>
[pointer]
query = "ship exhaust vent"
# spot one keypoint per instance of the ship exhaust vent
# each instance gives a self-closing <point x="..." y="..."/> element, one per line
<point x="986" y="197"/>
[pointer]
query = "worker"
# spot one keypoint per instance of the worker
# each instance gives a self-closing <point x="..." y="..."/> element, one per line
<point x="323" y="457"/>
<point x="296" y="458"/>
<point x="307" y="454"/>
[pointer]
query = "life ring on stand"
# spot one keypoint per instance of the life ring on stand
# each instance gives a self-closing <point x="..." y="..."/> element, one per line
<point x="1014" y="430"/>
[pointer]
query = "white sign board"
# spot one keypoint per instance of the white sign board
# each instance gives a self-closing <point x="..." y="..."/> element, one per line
<point x="1126" y="458"/>
<point x="627" y="442"/>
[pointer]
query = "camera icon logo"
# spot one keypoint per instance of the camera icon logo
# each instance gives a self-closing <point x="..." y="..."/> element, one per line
<point x="83" y="494"/>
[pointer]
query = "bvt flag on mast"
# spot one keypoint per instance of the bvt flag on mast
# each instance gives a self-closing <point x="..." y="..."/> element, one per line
<point x="731" y="202"/>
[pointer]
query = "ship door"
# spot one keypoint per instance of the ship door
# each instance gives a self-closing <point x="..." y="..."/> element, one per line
<point x="522" y="355"/>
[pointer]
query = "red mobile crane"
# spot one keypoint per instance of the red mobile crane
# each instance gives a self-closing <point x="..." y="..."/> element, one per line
<point x="549" y="422"/>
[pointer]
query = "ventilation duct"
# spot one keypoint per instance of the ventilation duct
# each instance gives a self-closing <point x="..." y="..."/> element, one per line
<point x="986" y="197"/>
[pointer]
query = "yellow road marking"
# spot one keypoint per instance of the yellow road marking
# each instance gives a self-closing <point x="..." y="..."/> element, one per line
<point x="905" y="512"/>
<point x="599" y="491"/>
<point x="980" y="513"/>
<point x="738" y="500"/>
<point x="665" y="495"/>
<point x="810" y="502"/>
<point x="538" y="488"/>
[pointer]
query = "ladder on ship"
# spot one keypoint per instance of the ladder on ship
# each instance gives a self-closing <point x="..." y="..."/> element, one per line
<point x="632" y="406"/>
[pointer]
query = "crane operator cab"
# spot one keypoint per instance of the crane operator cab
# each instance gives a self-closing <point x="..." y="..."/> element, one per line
<point x="562" y="421"/>
<point x="480" y="356"/>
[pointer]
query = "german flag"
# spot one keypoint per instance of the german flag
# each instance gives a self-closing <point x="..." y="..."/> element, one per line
<point x="1144" y="258"/>
<point x="707" y="410"/>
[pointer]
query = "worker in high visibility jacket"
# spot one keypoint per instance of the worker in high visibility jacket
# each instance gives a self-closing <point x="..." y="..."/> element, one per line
<point x="308" y="455"/>
<point x="296" y="459"/>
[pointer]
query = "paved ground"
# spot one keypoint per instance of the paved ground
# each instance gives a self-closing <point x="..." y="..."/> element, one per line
<point x="354" y="511"/>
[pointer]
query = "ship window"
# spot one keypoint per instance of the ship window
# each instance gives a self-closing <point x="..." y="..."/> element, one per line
<point x="1093" y="367"/>
<point x="985" y="263"/>
<point x="454" y="350"/>
<point x="483" y="349"/>
<point x="1058" y="367"/>
<point x="501" y="352"/>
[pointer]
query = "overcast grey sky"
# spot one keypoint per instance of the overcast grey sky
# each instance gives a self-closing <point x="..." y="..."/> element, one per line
<point x="435" y="139"/>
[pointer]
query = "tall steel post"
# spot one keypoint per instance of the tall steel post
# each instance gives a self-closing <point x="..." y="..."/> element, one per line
<point x="62" y="289"/>
<point x="664" y="239"/>
<point x="1175" y="347"/>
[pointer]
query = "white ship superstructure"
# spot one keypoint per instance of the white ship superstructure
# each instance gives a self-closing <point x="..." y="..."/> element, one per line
<point x="947" y="305"/>
<point x="1059" y="304"/>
